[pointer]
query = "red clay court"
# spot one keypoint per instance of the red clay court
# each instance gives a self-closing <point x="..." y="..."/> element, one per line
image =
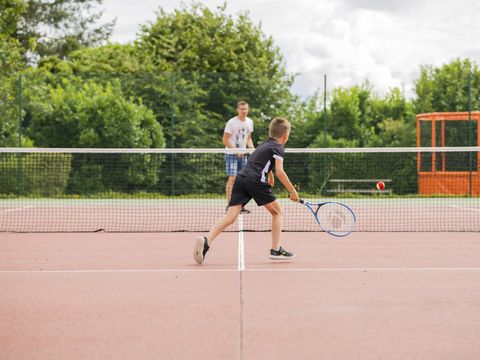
<point x="395" y="295"/>
<point x="96" y="258"/>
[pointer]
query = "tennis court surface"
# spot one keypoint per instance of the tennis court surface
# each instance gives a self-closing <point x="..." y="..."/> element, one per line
<point x="96" y="258"/>
<point x="122" y="296"/>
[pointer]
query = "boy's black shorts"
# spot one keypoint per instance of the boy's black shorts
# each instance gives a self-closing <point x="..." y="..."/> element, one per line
<point x="244" y="189"/>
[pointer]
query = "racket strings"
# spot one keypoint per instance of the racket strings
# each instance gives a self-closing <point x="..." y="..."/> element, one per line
<point x="336" y="219"/>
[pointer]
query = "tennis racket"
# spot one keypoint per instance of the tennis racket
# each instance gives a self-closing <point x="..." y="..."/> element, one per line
<point x="334" y="218"/>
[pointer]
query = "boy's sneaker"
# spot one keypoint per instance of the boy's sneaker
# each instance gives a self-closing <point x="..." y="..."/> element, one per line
<point x="201" y="248"/>
<point x="281" y="254"/>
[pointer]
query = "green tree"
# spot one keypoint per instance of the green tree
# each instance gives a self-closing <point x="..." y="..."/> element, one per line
<point x="395" y="133"/>
<point x="80" y="113"/>
<point x="214" y="60"/>
<point x="361" y="118"/>
<point x="191" y="67"/>
<point x="101" y="62"/>
<point x="449" y="88"/>
<point x="91" y="115"/>
<point x="9" y="133"/>
<point x="10" y="63"/>
<point x="59" y="27"/>
<point x="446" y="88"/>
<point x="10" y="48"/>
<point x="306" y="118"/>
<point x="393" y="120"/>
<point x="348" y="114"/>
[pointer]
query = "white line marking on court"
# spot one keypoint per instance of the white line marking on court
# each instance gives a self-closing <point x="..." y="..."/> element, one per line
<point x="241" y="246"/>
<point x="200" y="270"/>
<point x="90" y="271"/>
<point x="465" y="208"/>
<point x="18" y="209"/>
<point x="366" y="269"/>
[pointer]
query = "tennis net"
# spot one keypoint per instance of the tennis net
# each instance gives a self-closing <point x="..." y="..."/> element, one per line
<point x="163" y="190"/>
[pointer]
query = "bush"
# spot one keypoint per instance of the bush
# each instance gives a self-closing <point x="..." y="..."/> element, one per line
<point x="34" y="174"/>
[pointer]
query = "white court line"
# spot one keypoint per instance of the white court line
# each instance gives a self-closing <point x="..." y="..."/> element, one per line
<point x="464" y="208"/>
<point x="369" y="269"/>
<point x="17" y="209"/>
<point x="99" y="271"/>
<point x="90" y="271"/>
<point x="241" y="246"/>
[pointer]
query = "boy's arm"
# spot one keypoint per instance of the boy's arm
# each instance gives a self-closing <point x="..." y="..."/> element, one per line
<point x="283" y="177"/>
<point x="271" y="179"/>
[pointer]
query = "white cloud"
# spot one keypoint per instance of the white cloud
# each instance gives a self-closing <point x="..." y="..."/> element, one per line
<point x="350" y="40"/>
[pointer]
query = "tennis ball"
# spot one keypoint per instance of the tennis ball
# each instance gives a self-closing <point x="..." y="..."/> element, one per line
<point x="380" y="185"/>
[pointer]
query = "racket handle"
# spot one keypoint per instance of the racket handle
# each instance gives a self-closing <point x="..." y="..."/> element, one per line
<point x="301" y="201"/>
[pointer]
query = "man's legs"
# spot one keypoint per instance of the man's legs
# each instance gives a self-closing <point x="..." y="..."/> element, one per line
<point x="234" y="164"/>
<point x="231" y="163"/>
<point x="228" y="188"/>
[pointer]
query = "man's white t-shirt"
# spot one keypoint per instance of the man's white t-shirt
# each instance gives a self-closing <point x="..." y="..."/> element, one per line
<point x="239" y="131"/>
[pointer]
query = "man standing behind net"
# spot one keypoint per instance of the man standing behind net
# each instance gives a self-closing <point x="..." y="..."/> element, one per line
<point x="237" y="135"/>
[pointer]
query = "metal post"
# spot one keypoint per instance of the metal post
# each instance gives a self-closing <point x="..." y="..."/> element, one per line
<point x="325" y="110"/>
<point x="325" y="145"/>
<point x="172" y="129"/>
<point x="20" y="109"/>
<point x="470" y="155"/>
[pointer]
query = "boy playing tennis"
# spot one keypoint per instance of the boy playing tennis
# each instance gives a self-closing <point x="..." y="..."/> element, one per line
<point x="256" y="181"/>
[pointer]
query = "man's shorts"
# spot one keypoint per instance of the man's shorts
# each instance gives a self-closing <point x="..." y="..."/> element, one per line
<point x="244" y="189"/>
<point x="234" y="164"/>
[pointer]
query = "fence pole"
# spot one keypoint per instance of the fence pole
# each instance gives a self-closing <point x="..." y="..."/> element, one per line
<point x="325" y="145"/>
<point x="172" y="129"/>
<point x="20" y="109"/>
<point x="470" y="155"/>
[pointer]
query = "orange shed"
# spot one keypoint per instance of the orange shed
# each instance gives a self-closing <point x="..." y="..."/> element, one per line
<point x="448" y="173"/>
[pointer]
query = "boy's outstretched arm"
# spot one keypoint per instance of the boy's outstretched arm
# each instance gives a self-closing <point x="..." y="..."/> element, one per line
<point x="283" y="177"/>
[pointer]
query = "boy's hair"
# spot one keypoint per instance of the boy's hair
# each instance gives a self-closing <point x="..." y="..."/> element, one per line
<point x="278" y="127"/>
<point x="241" y="102"/>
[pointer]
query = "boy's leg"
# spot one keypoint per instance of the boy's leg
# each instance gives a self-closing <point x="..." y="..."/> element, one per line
<point x="277" y="252"/>
<point x="239" y="197"/>
<point x="276" y="210"/>
<point x="221" y="224"/>
<point x="202" y="244"/>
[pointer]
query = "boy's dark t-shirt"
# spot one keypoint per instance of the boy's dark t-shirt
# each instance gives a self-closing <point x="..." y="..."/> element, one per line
<point x="262" y="160"/>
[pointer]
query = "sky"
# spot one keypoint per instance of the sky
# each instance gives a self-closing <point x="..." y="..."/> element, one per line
<point x="384" y="41"/>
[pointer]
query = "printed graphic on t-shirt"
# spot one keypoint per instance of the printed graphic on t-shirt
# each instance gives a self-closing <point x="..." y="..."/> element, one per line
<point x="240" y="137"/>
<point x="239" y="131"/>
